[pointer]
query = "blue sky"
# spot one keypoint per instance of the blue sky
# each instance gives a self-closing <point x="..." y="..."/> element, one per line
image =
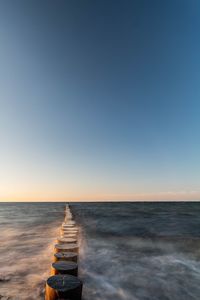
<point x="99" y="100"/>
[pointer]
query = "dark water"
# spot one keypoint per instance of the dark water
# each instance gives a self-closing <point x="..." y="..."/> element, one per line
<point x="128" y="250"/>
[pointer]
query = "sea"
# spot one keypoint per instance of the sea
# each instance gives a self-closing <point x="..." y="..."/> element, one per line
<point x="128" y="251"/>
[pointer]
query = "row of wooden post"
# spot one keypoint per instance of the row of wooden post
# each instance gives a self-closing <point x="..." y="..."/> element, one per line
<point x="64" y="283"/>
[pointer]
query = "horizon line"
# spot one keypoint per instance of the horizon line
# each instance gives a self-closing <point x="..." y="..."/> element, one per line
<point x="99" y="201"/>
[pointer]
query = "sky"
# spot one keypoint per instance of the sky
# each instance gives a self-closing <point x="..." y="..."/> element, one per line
<point x="99" y="100"/>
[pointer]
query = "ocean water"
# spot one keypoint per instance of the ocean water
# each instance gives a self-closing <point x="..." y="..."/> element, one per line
<point x="132" y="251"/>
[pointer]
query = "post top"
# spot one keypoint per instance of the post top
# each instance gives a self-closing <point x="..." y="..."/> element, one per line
<point x="64" y="283"/>
<point x="63" y="265"/>
<point x="66" y="246"/>
<point x="67" y="240"/>
<point x="65" y="255"/>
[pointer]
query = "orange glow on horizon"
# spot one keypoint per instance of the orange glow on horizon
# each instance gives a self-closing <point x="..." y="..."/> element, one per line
<point x="162" y="196"/>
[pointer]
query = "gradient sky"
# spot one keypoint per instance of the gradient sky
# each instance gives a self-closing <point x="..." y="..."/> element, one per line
<point x="99" y="100"/>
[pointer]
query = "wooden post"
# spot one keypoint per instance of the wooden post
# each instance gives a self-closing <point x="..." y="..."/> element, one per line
<point x="64" y="267"/>
<point x="63" y="286"/>
<point x="66" y="248"/>
<point x="66" y="256"/>
<point x="66" y="225"/>
<point x="66" y="240"/>
<point x="69" y="235"/>
<point x="69" y="229"/>
<point x="66" y="232"/>
<point x="69" y="222"/>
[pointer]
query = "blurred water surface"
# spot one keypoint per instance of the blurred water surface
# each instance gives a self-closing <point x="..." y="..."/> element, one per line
<point x="128" y="250"/>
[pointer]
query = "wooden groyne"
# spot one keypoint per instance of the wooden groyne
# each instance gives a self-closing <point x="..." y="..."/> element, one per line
<point x="64" y="284"/>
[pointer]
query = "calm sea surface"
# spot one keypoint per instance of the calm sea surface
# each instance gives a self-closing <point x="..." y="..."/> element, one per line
<point x="143" y="251"/>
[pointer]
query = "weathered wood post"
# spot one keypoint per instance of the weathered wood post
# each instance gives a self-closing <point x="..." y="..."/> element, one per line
<point x="69" y="222"/>
<point x="69" y="235"/>
<point x="64" y="287"/>
<point x="66" y="240"/>
<point x="66" y="248"/>
<point x="64" y="267"/>
<point x="66" y="256"/>
<point x="69" y="230"/>
<point x="66" y="226"/>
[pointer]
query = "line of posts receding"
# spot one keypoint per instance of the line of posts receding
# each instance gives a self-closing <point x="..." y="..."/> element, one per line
<point x="64" y="284"/>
